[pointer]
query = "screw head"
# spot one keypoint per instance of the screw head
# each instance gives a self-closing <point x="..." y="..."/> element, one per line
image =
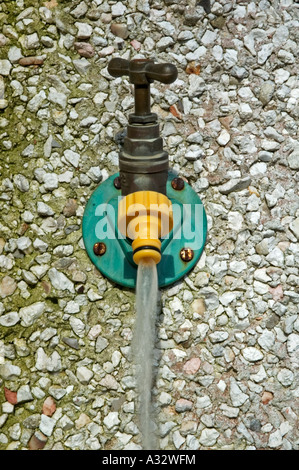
<point x="99" y="248"/>
<point x="186" y="254"/>
<point x="117" y="183"/>
<point x="178" y="184"/>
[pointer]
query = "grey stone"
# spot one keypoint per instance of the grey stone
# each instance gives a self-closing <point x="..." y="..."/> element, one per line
<point x="24" y="394"/>
<point x="21" y="183"/>
<point x="266" y="92"/>
<point x="101" y="344"/>
<point x="82" y="65"/>
<point x="235" y="184"/>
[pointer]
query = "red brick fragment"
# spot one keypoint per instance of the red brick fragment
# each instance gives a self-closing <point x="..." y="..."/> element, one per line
<point x="10" y="396"/>
<point x="49" y="406"/>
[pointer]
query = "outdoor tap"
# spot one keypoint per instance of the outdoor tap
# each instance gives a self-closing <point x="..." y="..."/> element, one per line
<point x="144" y="213"/>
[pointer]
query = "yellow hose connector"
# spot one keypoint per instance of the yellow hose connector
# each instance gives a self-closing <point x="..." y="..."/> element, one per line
<point x="145" y="217"/>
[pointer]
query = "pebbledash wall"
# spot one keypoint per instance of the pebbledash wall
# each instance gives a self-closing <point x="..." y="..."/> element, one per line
<point x="228" y="335"/>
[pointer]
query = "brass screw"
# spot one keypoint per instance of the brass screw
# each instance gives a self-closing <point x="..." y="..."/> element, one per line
<point x="99" y="248"/>
<point x="186" y="254"/>
<point x="117" y="183"/>
<point x="178" y="184"/>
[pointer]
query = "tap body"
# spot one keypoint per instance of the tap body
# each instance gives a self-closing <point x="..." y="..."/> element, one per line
<point x="143" y="163"/>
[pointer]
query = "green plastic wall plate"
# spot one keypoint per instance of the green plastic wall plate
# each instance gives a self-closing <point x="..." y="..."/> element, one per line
<point x="115" y="262"/>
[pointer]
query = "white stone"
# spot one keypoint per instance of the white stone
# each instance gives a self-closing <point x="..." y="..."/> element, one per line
<point x="8" y="371"/>
<point x="265" y="52"/>
<point x="218" y="336"/>
<point x="60" y="281"/>
<point x="245" y="111"/>
<point x="230" y="57"/>
<point x="21" y="183"/>
<point x="260" y="287"/>
<point x="252" y="354"/>
<point x="57" y="97"/>
<point x="229" y="411"/>
<point x="196" y="85"/>
<point x="99" y="98"/>
<point x="54" y="362"/>
<point x="15" y="431"/>
<point x="43" y="209"/>
<point x="84" y="30"/>
<point x="14" y="55"/>
<point x="50" y="181"/>
<point x="177" y="439"/>
<point x="238" y="398"/>
<point x="23" y="243"/>
<point x="209" y="37"/>
<point x="293" y="159"/>
<point x="84" y="375"/>
<point x="235" y="220"/>
<point x="72" y="157"/>
<point x="266" y="340"/>
<point x="258" y="168"/>
<point x="31" y="313"/>
<point x="31" y="41"/>
<point x="208" y="437"/>
<point x="40" y="245"/>
<point x="223" y="138"/>
<point x="281" y="76"/>
<point x="72" y="307"/>
<point x="47" y="425"/>
<point x="238" y="266"/>
<point x="276" y="257"/>
<point x="7" y="407"/>
<point x="275" y="439"/>
<point x="217" y="52"/>
<point x="76" y="441"/>
<point x="5" y="67"/>
<point x="197" y="54"/>
<point x="35" y="103"/>
<point x="285" y="377"/>
<point x="118" y="9"/>
<point x="9" y="319"/>
<point x="260" y="375"/>
<point x="77" y="326"/>
<point x="24" y="394"/>
<point x="227" y="298"/>
<point x="293" y="343"/>
<point x="80" y="10"/>
<point x="101" y="344"/>
<point x="111" y="419"/>
<point x="203" y="402"/>
<point x="6" y="262"/>
<point x="294" y="226"/>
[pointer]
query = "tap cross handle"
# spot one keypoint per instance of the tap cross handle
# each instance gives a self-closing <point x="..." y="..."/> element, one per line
<point x="143" y="71"/>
